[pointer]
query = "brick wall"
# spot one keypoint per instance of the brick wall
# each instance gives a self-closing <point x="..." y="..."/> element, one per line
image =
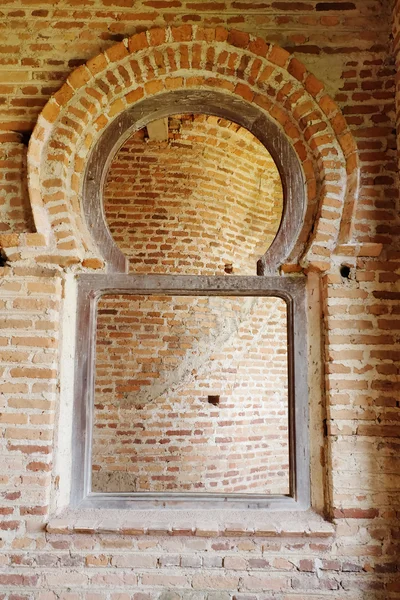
<point x="347" y="45"/>
<point x="14" y="200"/>
<point x="154" y="429"/>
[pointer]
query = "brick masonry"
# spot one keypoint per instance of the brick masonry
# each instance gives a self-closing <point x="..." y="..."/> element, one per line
<point x="347" y="46"/>
<point x="209" y="197"/>
<point x="155" y="429"/>
<point x="14" y="199"/>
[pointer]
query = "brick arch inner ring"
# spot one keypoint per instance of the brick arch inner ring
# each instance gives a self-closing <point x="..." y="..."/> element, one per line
<point x="190" y="60"/>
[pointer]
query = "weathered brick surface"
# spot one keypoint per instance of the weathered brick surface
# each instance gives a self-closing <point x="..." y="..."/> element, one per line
<point x="15" y="209"/>
<point x="182" y="206"/>
<point x="345" y="45"/>
<point x="155" y="430"/>
<point x="329" y="159"/>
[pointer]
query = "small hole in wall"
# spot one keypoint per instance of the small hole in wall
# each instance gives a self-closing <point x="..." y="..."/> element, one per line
<point x="214" y="400"/>
<point x="3" y="258"/>
<point x="228" y="268"/>
<point x="25" y="137"/>
<point x="345" y="271"/>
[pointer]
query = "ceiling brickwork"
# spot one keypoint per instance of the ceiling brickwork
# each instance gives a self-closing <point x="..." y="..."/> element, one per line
<point x="207" y="198"/>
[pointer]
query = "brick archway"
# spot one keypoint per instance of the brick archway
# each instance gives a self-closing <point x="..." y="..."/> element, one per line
<point x="190" y="58"/>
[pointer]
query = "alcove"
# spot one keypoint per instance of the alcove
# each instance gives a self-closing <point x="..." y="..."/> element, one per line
<point x="190" y="194"/>
<point x="172" y="198"/>
<point x="303" y="138"/>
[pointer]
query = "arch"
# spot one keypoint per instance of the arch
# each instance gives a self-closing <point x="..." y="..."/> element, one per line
<point x="199" y="101"/>
<point x="245" y="70"/>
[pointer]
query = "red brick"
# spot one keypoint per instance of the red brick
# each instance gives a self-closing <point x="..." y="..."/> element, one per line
<point x="117" y="52"/>
<point x="240" y="39"/>
<point x="278" y="56"/>
<point x="182" y="33"/>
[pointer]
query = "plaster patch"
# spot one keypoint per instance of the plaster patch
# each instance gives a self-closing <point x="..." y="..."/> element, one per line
<point x="327" y="69"/>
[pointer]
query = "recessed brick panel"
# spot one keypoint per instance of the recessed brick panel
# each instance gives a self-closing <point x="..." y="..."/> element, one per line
<point x="158" y="361"/>
<point x="207" y="197"/>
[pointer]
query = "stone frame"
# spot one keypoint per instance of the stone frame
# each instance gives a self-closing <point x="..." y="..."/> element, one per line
<point x="291" y="289"/>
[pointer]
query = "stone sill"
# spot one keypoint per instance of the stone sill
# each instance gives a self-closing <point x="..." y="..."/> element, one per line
<point x="197" y="522"/>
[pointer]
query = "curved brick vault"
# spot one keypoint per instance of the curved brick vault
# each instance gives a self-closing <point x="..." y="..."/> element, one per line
<point x="187" y="58"/>
<point x="207" y="198"/>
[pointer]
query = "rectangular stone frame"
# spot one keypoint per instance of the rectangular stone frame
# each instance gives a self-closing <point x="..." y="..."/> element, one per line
<point x="90" y="288"/>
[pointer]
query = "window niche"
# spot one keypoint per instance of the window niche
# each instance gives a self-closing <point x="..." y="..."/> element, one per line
<point x="191" y="395"/>
<point x="191" y="369"/>
<point x="193" y="194"/>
